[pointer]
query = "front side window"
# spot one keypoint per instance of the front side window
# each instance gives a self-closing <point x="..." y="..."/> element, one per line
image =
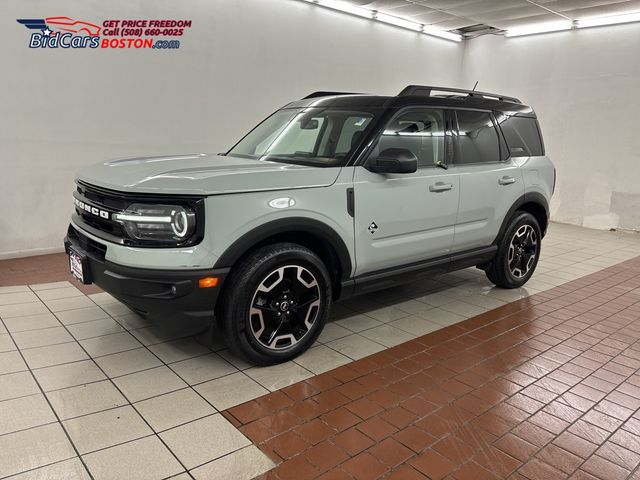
<point x="477" y="139"/>
<point x="322" y="137"/>
<point x="420" y="130"/>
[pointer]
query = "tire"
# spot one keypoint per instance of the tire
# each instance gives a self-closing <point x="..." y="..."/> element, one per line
<point x="275" y="303"/>
<point x="518" y="252"/>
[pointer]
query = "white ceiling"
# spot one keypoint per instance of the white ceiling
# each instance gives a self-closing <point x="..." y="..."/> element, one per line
<point x="501" y="14"/>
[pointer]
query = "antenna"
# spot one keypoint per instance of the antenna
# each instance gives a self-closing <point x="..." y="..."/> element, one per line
<point x="474" y="87"/>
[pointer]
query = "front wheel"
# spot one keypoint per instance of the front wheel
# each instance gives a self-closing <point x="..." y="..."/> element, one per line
<point x="276" y="303"/>
<point x="518" y="252"/>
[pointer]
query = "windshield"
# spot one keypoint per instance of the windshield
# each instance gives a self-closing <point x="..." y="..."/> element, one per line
<point x="315" y="136"/>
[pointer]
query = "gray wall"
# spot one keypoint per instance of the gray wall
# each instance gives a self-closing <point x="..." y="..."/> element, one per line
<point x="63" y="109"/>
<point x="242" y="59"/>
<point x="584" y="85"/>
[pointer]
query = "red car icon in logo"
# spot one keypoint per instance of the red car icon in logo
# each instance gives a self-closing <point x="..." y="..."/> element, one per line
<point x="67" y="24"/>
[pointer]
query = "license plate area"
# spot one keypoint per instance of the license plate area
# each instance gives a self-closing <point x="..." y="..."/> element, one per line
<point x="79" y="266"/>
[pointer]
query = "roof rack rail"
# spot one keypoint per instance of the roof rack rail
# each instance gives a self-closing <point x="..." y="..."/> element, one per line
<point x="327" y="94"/>
<point x="426" y="90"/>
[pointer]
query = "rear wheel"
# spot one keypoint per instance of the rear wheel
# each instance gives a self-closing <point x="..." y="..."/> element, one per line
<point x="518" y="252"/>
<point x="276" y="303"/>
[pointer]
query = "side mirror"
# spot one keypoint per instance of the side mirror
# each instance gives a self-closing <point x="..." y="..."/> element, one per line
<point x="394" y="160"/>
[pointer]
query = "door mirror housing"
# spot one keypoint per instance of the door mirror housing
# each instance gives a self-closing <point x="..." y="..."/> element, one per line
<point x="394" y="160"/>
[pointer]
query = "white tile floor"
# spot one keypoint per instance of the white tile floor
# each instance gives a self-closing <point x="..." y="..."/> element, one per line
<point x="88" y="386"/>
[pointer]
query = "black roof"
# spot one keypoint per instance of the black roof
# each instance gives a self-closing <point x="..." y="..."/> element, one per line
<point x="418" y="95"/>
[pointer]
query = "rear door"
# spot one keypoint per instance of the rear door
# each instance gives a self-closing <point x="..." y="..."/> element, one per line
<point x="406" y="218"/>
<point x="490" y="180"/>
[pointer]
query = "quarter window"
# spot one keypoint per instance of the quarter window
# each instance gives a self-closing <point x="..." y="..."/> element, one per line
<point x="522" y="136"/>
<point x="421" y="131"/>
<point x="477" y="140"/>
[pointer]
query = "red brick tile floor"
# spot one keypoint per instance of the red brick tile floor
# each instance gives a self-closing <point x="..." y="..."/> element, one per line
<point x="39" y="269"/>
<point x="542" y="388"/>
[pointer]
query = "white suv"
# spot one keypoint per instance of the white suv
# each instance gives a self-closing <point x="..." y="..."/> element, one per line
<point x="333" y="195"/>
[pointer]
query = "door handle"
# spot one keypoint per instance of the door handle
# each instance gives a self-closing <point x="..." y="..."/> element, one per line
<point x="440" y="187"/>
<point x="506" y="180"/>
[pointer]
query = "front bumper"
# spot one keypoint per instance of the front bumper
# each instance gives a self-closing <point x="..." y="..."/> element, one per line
<point x="170" y="299"/>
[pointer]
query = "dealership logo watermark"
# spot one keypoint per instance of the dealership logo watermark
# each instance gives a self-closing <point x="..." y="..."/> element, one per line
<point x="66" y="32"/>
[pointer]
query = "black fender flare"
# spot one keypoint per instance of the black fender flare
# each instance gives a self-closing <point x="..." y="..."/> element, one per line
<point x="532" y="197"/>
<point x="286" y="225"/>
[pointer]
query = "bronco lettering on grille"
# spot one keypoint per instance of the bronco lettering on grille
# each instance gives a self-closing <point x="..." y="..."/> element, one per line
<point x="91" y="209"/>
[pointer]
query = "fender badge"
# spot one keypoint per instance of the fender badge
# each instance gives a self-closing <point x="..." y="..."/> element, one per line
<point x="372" y="228"/>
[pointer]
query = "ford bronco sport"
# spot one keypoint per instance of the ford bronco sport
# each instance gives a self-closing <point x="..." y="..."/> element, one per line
<point x="333" y="195"/>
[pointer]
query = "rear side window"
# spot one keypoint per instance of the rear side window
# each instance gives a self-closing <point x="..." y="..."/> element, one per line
<point x="477" y="140"/>
<point x="522" y="135"/>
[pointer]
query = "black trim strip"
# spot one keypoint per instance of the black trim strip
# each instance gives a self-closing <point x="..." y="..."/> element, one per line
<point x="351" y="202"/>
<point x="531" y="197"/>
<point x="411" y="272"/>
<point x="287" y="226"/>
<point x="132" y="197"/>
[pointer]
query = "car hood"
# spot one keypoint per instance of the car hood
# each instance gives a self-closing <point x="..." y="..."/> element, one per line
<point x="203" y="174"/>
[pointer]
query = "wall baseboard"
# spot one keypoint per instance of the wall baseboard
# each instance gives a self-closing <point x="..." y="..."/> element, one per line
<point x="603" y="229"/>
<point x="30" y="253"/>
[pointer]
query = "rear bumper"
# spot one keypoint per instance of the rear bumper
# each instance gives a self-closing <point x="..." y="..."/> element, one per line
<point x="171" y="299"/>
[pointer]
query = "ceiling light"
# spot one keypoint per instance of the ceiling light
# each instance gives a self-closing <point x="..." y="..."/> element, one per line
<point x="344" y="7"/>
<point x="398" y="22"/>
<point x="347" y="7"/>
<point x="539" y="28"/>
<point x="437" y="32"/>
<point x="608" y="20"/>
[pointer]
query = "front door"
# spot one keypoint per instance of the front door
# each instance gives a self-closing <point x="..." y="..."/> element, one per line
<point x="406" y="218"/>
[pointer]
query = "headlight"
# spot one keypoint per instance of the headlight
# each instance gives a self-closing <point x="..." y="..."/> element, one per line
<point x="159" y="223"/>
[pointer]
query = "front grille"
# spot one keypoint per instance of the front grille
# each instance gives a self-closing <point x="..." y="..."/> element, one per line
<point x="109" y="199"/>
<point x="105" y="200"/>
<point x="108" y="226"/>
<point x="90" y="246"/>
